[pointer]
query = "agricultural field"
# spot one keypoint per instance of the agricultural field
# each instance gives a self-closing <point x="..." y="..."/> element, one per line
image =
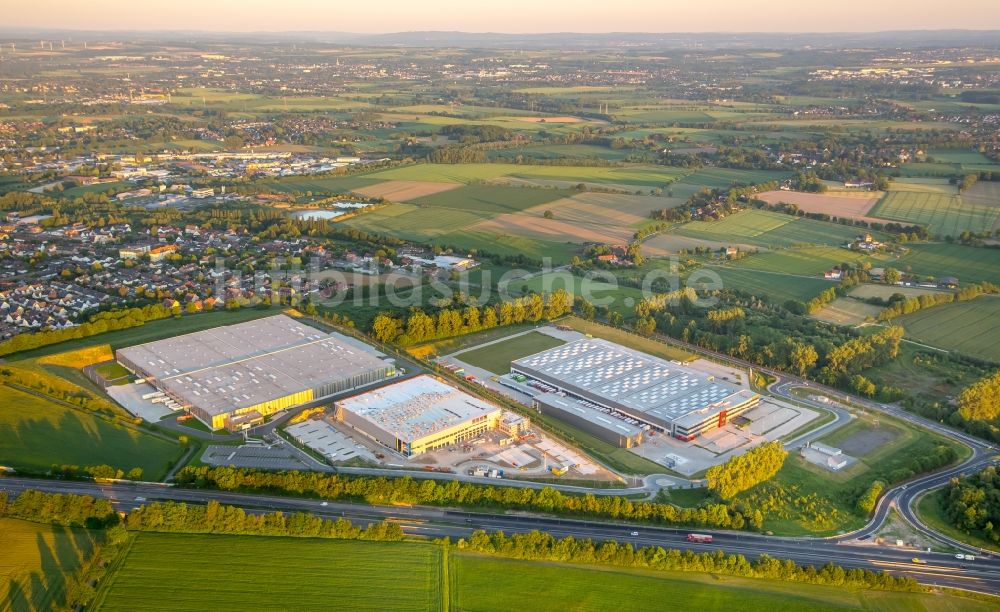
<point x="36" y="433"/>
<point x="273" y="573"/>
<point x="775" y="286"/>
<point x="886" y="291"/>
<point x="37" y="559"/>
<point x="722" y="178"/>
<point x="809" y="261"/>
<point x="971" y="328"/>
<point x="573" y="587"/>
<point x="968" y="264"/>
<point x="847" y="311"/>
<point x="582" y="218"/>
<point x="983" y="193"/>
<point x="943" y="215"/>
<point x="845" y="204"/>
<point x="487" y="199"/>
<point x="404" y="191"/>
<point x="769" y="229"/>
<point x="496" y="357"/>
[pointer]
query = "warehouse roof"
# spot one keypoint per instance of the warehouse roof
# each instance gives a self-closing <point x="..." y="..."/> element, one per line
<point x="633" y="382"/>
<point x="226" y="368"/>
<point x="417" y="407"/>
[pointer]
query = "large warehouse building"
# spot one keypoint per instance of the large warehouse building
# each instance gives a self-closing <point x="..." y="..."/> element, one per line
<point x="231" y="377"/>
<point x="418" y="415"/>
<point x="617" y="393"/>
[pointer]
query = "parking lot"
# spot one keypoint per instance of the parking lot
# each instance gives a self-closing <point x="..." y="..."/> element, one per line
<point x="258" y="456"/>
<point x="327" y="440"/>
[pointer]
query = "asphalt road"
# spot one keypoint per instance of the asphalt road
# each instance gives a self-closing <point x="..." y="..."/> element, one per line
<point x="982" y="575"/>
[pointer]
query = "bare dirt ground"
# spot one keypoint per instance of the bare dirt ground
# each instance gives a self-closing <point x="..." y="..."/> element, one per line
<point x="841" y="204"/>
<point x="402" y="191"/>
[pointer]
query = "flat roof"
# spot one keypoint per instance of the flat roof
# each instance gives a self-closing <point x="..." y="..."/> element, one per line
<point x="592" y="415"/>
<point x="226" y="368"/>
<point x="417" y="407"/>
<point x="633" y="382"/>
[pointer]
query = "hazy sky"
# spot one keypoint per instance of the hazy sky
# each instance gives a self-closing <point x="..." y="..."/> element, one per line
<point x="504" y="15"/>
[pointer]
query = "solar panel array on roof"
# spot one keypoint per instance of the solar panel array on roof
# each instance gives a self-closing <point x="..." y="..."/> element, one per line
<point x="632" y="381"/>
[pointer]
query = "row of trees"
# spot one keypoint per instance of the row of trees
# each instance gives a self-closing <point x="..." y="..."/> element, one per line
<point x="111" y="320"/>
<point x="899" y="307"/>
<point x="544" y="547"/>
<point x="217" y="518"/>
<point x="453" y="493"/>
<point x="746" y="471"/>
<point x="420" y="326"/>
<point x="69" y="510"/>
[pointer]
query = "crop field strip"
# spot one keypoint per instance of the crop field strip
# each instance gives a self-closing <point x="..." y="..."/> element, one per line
<point x="223" y="573"/>
<point x="36" y="433"/>
<point x="769" y="229"/>
<point x="36" y="562"/>
<point x="807" y="261"/>
<point x="778" y="287"/>
<point x="971" y="328"/>
<point x="968" y="264"/>
<point x="943" y="215"/>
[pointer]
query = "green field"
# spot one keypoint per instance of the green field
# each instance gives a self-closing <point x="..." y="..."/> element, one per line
<point x="496" y="357"/>
<point x="971" y="328"/>
<point x="777" y="287"/>
<point x="639" y="176"/>
<point x="805" y="499"/>
<point x="36" y="561"/>
<point x="942" y="215"/>
<point x="337" y="184"/>
<point x="968" y="264"/>
<point x="721" y="178"/>
<point x="557" y="587"/>
<point x="220" y="573"/>
<point x="188" y="571"/>
<point x="487" y="200"/>
<point x="36" y="433"/>
<point x="769" y="229"/>
<point x="808" y="261"/>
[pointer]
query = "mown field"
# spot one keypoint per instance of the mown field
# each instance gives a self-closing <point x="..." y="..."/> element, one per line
<point x="769" y="229"/>
<point x="496" y="357"/>
<point x="968" y="264"/>
<point x="943" y="215"/>
<point x="971" y="328"/>
<point x="180" y="571"/>
<point x="808" y="261"/>
<point x="847" y="311"/>
<point x="475" y="587"/>
<point x="36" y="433"/>
<point x="775" y="286"/>
<point x="36" y="561"/>
<point x="209" y="572"/>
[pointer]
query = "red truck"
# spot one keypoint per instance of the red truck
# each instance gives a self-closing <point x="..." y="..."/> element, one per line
<point x="697" y="537"/>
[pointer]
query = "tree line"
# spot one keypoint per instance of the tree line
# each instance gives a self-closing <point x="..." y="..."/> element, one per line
<point x="98" y="323"/>
<point x="453" y="493"/>
<point x="539" y="546"/>
<point x="746" y="471"/>
<point x="903" y="306"/>
<point x="217" y="518"/>
<point x="420" y="326"/>
<point x="58" y="508"/>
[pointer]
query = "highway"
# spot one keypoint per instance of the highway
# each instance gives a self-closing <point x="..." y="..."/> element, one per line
<point x="981" y="575"/>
